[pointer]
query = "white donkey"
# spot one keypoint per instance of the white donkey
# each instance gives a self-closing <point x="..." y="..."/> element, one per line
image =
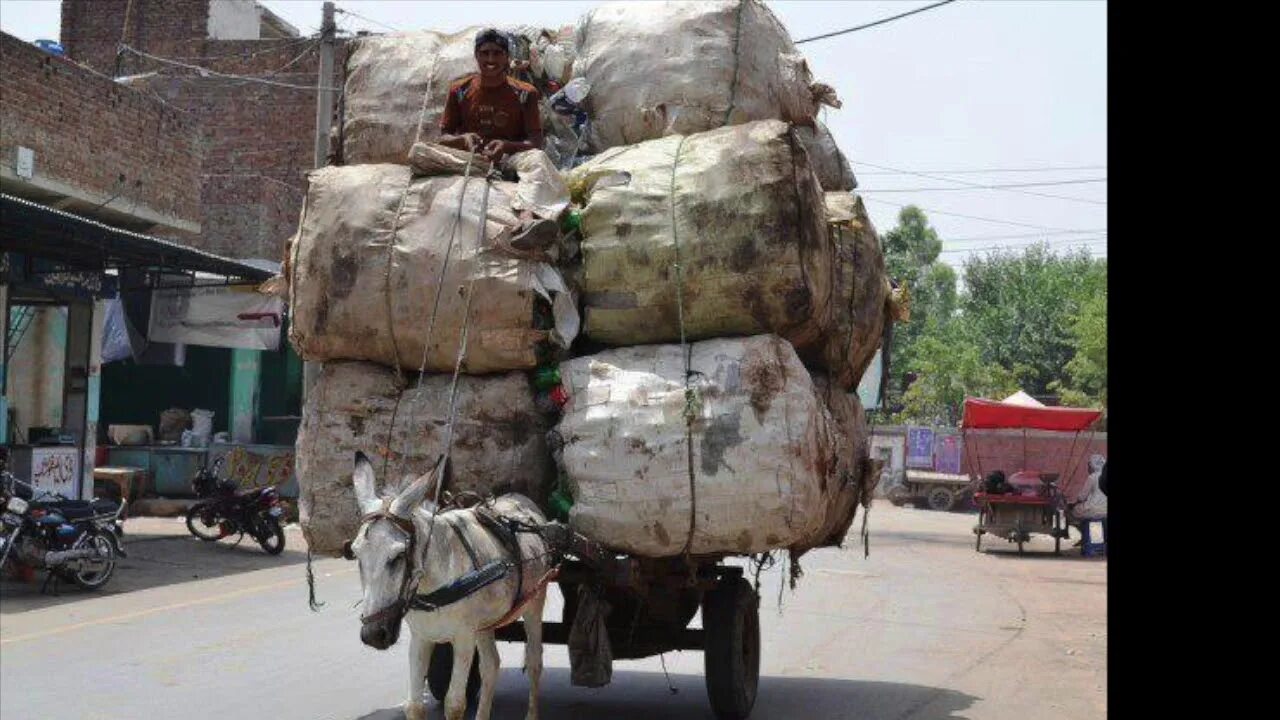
<point x="405" y="557"/>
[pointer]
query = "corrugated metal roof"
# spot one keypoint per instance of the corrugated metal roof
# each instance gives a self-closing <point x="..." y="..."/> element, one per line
<point x="41" y="231"/>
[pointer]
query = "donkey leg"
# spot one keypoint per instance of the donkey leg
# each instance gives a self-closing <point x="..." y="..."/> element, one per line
<point x="415" y="707"/>
<point x="533" y="650"/>
<point x="489" y="664"/>
<point x="464" y="651"/>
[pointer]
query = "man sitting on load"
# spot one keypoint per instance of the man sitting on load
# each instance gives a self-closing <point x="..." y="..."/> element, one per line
<point x="488" y="111"/>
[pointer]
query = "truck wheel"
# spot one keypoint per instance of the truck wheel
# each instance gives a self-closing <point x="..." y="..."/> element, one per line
<point x="941" y="498"/>
<point x="731" y="617"/>
<point x="441" y="671"/>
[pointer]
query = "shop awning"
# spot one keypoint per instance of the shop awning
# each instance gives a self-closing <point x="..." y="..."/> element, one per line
<point x="79" y="243"/>
<point x="982" y="414"/>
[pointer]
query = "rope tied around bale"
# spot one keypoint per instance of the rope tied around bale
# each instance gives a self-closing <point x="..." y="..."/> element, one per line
<point x="692" y="405"/>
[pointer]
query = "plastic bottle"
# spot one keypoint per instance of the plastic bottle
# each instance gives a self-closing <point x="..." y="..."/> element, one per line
<point x="546" y="377"/>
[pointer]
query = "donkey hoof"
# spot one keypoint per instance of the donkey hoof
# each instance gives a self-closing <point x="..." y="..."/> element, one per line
<point x="415" y="711"/>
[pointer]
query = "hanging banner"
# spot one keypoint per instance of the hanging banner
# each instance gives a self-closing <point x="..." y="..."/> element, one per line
<point x="946" y="451"/>
<point x="920" y="447"/>
<point x="231" y="316"/>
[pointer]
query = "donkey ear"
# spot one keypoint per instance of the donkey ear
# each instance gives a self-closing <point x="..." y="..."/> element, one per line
<point x="419" y="490"/>
<point x="366" y="489"/>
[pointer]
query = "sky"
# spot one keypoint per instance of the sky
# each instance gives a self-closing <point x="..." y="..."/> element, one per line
<point x="956" y="92"/>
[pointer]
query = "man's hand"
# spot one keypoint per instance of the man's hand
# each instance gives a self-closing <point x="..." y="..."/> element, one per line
<point x="495" y="150"/>
<point x="472" y="141"/>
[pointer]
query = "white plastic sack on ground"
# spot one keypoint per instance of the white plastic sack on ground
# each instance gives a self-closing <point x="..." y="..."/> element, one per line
<point x="764" y="448"/>
<point x="748" y="215"/>
<point x="663" y="68"/>
<point x="366" y="265"/>
<point x="861" y="290"/>
<point x="499" y="442"/>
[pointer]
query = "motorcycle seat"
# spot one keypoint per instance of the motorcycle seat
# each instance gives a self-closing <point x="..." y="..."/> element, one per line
<point x="80" y="509"/>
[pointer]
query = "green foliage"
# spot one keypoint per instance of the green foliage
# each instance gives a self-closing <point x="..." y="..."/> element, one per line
<point x="1031" y="320"/>
<point x="1021" y="309"/>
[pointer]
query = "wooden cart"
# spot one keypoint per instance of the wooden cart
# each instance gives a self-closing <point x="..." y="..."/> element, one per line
<point x="652" y="602"/>
<point x="1016" y="517"/>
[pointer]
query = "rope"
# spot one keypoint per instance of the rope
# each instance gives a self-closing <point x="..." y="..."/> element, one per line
<point x="733" y="86"/>
<point x="386" y="283"/>
<point x="690" y="400"/>
<point x="312" y="603"/>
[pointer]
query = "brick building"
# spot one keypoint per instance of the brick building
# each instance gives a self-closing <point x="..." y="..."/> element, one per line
<point x="257" y="137"/>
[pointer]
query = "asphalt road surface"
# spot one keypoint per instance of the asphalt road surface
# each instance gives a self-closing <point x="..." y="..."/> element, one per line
<point x="924" y="629"/>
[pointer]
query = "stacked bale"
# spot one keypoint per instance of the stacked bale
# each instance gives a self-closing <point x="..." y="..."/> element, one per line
<point x="741" y="302"/>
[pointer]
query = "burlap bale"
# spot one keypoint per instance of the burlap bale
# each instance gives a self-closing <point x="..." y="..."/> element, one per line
<point x="366" y="262"/>
<point x="764" y="448"/>
<point x="828" y="162"/>
<point x="397" y="84"/>
<point x="854" y="476"/>
<point x="748" y="214"/>
<point x="666" y="68"/>
<point x="499" y="442"/>
<point x="860" y="296"/>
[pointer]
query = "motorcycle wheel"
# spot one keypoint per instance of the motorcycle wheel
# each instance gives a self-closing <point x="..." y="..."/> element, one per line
<point x="93" y="574"/>
<point x="272" y="537"/>
<point x="204" y="522"/>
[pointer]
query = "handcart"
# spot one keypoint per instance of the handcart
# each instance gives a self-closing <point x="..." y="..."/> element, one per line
<point x="1032" y="502"/>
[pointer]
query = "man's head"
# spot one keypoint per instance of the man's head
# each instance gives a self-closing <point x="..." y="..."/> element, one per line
<point x="493" y="52"/>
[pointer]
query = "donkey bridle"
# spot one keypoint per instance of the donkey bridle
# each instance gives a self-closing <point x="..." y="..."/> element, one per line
<point x="474" y="580"/>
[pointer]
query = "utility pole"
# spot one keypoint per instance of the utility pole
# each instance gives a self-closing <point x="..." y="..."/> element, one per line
<point x="324" y="118"/>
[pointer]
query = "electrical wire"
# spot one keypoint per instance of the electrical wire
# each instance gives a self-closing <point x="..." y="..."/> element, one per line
<point x="366" y="19"/>
<point x="873" y="24"/>
<point x="980" y="171"/>
<point x="986" y="238"/>
<point x="977" y="185"/>
<point x="973" y="217"/>
<point x="204" y="72"/>
<point x="1004" y="186"/>
<point x="1071" y="243"/>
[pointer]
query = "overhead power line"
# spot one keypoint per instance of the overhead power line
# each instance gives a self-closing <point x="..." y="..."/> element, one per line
<point x="1073" y="243"/>
<point x="367" y="19"/>
<point x="1003" y="186"/>
<point x="974" y="217"/>
<point x="931" y="176"/>
<point x="206" y="72"/>
<point x="873" y="24"/>
<point x="987" y="238"/>
<point x="983" y="171"/>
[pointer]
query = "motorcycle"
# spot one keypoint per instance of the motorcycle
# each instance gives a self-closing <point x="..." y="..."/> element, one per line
<point x="225" y="510"/>
<point x="74" y="540"/>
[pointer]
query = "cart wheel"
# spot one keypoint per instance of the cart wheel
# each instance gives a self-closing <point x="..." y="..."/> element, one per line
<point x="441" y="671"/>
<point x="730" y="614"/>
<point x="941" y="498"/>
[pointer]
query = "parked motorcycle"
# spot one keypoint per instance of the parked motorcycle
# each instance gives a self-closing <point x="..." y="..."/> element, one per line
<point x="226" y="510"/>
<point x="74" y="540"/>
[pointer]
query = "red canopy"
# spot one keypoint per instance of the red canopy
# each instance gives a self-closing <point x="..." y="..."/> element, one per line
<point x="980" y="413"/>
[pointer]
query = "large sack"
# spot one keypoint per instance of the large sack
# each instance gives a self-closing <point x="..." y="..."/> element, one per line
<point x="365" y="267"/>
<point x="397" y="84"/>
<point x="830" y="164"/>
<point x="855" y="474"/>
<point x="665" y="68"/>
<point x="748" y="214"/>
<point x="499" y="441"/>
<point x="861" y="292"/>
<point x="764" y="448"/>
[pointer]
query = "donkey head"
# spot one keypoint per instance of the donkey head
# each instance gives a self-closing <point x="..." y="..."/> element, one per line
<point x="387" y="547"/>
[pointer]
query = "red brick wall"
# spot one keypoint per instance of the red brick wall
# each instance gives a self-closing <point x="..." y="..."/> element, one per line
<point x="987" y="450"/>
<point x="95" y="134"/>
<point x="259" y="138"/>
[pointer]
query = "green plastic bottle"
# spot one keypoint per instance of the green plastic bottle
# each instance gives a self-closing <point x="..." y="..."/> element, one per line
<point x="546" y="377"/>
<point x="572" y="221"/>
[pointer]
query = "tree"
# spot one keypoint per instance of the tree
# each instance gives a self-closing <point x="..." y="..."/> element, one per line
<point x="1022" y="308"/>
<point x="949" y="368"/>
<point x="1086" y="382"/>
<point x="911" y="257"/>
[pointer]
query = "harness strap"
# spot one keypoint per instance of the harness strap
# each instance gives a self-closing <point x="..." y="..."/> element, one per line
<point x="466" y="544"/>
<point x="506" y="535"/>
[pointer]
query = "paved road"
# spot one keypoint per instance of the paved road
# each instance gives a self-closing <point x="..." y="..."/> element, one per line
<point x="924" y="629"/>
